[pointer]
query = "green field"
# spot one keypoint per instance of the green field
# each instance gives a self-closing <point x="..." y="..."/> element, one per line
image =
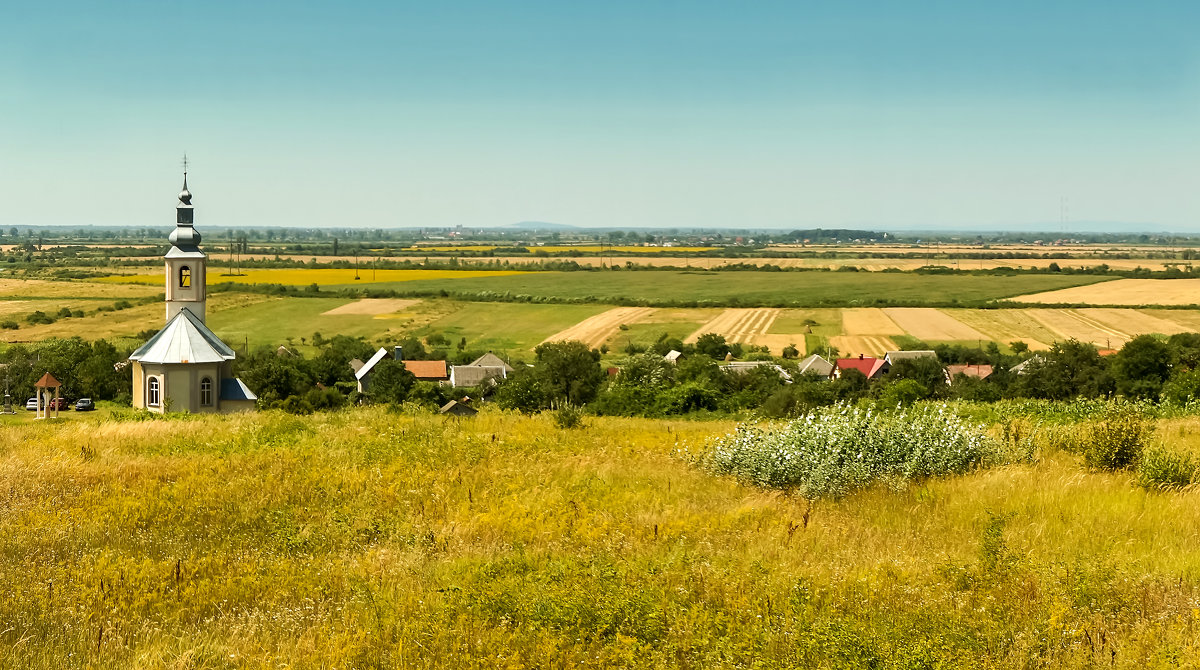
<point x="375" y="539"/>
<point x="746" y="288"/>
<point x="505" y="327"/>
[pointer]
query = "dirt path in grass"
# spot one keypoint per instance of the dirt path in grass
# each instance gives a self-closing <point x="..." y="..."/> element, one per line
<point x="372" y="306"/>
<point x="738" y="325"/>
<point x="594" y="331"/>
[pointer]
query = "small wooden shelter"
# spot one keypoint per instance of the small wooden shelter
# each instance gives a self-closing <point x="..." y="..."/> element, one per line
<point x="44" y="386"/>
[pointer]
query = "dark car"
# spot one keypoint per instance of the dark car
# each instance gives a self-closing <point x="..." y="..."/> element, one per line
<point x="84" y="405"/>
<point x="59" y="404"/>
<point x="31" y="404"/>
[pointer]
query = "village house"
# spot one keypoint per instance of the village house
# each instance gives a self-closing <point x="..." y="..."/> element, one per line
<point x="816" y="365"/>
<point x="872" y="368"/>
<point x="975" y="371"/>
<point x="488" y="367"/>
<point x="424" y="371"/>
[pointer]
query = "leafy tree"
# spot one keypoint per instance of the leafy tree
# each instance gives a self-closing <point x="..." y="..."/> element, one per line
<point x="712" y="345"/>
<point x="390" y="381"/>
<point x="928" y="372"/>
<point x="1142" y="366"/>
<point x="1068" y="370"/>
<point x="568" y="371"/>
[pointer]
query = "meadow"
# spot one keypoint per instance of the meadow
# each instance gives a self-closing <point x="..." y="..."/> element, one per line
<point x="370" y="538"/>
<point x="748" y="288"/>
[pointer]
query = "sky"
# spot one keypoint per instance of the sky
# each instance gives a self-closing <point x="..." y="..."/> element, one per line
<point x="901" y="115"/>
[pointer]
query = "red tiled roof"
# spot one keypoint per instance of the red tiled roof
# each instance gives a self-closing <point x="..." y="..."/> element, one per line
<point x="976" y="371"/>
<point x="868" y="366"/>
<point x="427" y="369"/>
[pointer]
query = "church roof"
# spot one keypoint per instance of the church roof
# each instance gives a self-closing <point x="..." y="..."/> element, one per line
<point x="232" y="388"/>
<point x="185" y="339"/>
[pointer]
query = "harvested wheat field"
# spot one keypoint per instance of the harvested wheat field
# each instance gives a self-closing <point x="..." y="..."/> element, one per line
<point x="927" y="323"/>
<point x="1132" y="292"/>
<point x="869" y="321"/>
<point x="867" y="345"/>
<point x="1007" y="325"/>
<point x="594" y="331"/>
<point x="1136" y="321"/>
<point x="1077" y="324"/>
<point x="738" y="325"/>
<point x="372" y="306"/>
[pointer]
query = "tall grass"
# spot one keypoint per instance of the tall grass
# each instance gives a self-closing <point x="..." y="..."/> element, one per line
<point x="378" y="540"/>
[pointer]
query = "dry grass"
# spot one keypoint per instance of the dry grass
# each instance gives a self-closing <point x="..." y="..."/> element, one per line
<point x="368" y="539"/>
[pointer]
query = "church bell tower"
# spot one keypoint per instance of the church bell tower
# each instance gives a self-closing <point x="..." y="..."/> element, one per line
<point x="186" y="264"/>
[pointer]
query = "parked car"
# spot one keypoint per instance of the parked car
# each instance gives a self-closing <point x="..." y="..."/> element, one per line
<point x="84" y="405"/>
<point x="32" y="404"/>
<point x="59" y="404"/>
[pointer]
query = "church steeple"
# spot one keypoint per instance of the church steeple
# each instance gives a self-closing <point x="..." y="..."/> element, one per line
<point x="185" y="262"/>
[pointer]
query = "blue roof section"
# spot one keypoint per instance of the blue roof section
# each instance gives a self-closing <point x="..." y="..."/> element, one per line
<point x="234" y="389"/>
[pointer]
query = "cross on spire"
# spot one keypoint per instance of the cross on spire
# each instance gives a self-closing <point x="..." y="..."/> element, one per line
<point x="185" y="164"/>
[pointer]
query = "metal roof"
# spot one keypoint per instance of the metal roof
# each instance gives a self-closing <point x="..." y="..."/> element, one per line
<point x="234" y="389"/>
<point x="185" y="339"/>
<point x="366" y="368"/>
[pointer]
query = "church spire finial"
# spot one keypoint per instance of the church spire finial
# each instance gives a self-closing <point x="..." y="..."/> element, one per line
<point x="185" y="196"/>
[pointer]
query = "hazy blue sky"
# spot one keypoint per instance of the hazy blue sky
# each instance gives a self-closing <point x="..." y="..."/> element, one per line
<point x="788" y="114"/>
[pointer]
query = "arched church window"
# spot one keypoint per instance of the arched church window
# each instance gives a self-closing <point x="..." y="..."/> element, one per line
<point x="185" y="277"/>
<point x="153" y="396"/>
<point x="206" y="392"/>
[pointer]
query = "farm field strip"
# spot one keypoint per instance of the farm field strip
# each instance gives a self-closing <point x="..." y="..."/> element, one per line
<point x="1067" y="324"/>
<point x="595" y="330"/>
<point x="927" y="323"/>
<point x="849" y="346"/>
<point x="737" y="324"/>
<point x="1137" y="322"/>
<point x="1130" y="292"/>
<point x="321" y="276"/>
<point x="1007" y="325"/>
<point x="869" y="321"/>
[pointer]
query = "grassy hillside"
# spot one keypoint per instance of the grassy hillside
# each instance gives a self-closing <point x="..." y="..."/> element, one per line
<point x="373" y="539"/>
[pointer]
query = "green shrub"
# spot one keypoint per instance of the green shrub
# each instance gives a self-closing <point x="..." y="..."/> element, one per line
<point x="836" y="450"/>
<point x="9" y="325"/>
<point x="568" y="416"/>
<point x="1116" y="441"/>
<point x="39" y="317"/>
<point x="1162" y="468"/>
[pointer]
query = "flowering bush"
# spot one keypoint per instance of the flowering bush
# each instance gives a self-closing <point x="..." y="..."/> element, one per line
<point x="835" y="450"/>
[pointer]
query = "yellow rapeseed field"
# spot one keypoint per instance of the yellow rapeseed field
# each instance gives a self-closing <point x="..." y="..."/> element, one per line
<point x="321" y="276"/>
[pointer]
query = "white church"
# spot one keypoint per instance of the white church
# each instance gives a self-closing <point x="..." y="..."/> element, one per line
<point x="185" y="367"/>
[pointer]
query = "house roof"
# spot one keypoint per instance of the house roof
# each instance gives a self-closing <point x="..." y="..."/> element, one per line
<point x="474" y="375"/>
<point x="672" y="356"/>
<point x="492" y="360"/>
<point x="1019" y="368"/>
<point x="866" y="365"/>
<point x="234" y="389"/>
<point x="427" y="369"/>
<point x="893" y="356"/>
<point x="976" y="371"/>
<point x="816" y="365"/>
<point x="366" y="367"/>
<point x="456" y="407"/>
<point x="744" y="366"/>
<point x="185" y="339"/>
